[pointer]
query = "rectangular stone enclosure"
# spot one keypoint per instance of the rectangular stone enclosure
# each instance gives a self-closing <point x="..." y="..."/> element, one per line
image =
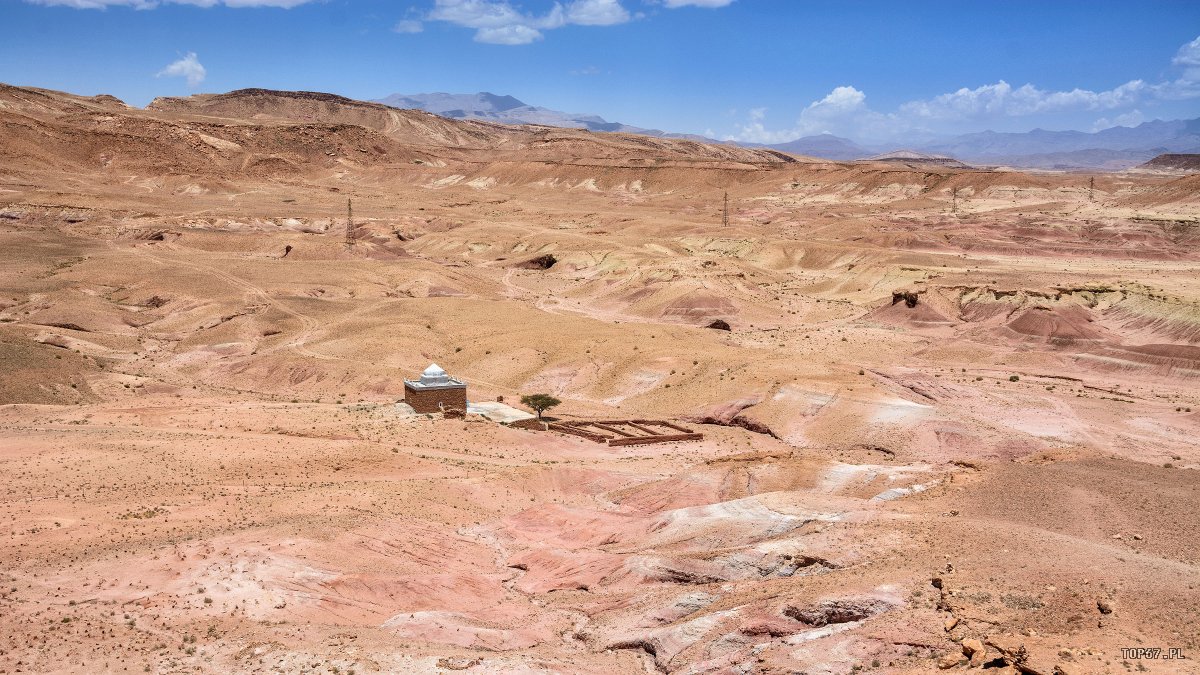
<point x="626" y="432"/>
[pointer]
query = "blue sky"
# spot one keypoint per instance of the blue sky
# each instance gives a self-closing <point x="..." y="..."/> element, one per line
<point x="754" y="70"/>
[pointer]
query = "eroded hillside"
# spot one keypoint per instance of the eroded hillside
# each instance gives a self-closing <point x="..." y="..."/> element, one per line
<point x="949" y="414"/>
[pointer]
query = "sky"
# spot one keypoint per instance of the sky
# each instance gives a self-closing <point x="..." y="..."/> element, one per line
<point x="764" y="71"/>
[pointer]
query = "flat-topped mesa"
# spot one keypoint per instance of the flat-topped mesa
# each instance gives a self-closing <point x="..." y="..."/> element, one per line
<point x="203" y="100"/>
<point x="912" y="157"/>
<point x="1172" y="163"/>
<point x="435" y="391"/>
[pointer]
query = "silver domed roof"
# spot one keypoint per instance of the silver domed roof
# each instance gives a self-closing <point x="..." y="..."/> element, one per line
<point x="434" y="374"/>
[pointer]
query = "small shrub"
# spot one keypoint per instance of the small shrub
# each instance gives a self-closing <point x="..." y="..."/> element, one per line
<point x="540" y="402"/>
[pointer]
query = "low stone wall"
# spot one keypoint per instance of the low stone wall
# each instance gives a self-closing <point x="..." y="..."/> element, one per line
<point x="567" y="429"/>
<point x="641" y="440"/>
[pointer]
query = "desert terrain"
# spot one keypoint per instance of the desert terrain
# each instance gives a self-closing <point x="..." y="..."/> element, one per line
<point x="952" y="425"/>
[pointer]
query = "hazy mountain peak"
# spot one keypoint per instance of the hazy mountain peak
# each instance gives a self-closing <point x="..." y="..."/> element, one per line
<point x="825" y="146"/>
<point x="506" y="109"/>
<point x="1113" y="148"/>
<point x="439" y="102"/>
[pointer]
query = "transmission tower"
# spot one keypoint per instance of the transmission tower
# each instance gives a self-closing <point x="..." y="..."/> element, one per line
<point x="349" y="223"/>
<point x="954" y="203"/>
<point x="1091" y="188"/>
<point x="725" y="211"/>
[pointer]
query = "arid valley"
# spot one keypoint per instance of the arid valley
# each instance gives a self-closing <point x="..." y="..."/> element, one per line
<point x="949" y="414"/>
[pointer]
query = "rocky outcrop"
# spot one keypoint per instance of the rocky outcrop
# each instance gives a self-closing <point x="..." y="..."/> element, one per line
<point x="908" y="297"/>
<point x="541" y="262"/>
<point x="842" y="610"/>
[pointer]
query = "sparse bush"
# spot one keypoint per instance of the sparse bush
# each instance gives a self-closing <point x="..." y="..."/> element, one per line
<point x="540" y="403"/>
<point x="1014" y="378"/>
<point x="143" y="515"/>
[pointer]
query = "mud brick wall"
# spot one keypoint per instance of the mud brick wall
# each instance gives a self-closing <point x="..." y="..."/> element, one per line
<point x="428" y="400"/>
<point x="643" y="440"/>
<point x="574" y="431"/>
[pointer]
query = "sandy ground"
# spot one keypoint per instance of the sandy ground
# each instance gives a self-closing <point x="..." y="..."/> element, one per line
<point x="936" y="437"/>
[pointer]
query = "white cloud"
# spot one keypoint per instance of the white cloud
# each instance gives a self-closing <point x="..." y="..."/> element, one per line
<point x="188" y="67"/>
<point x="476" y="13"/>
<point x="515" y="34"/>
<point x="1130" y="119"/>
<point x="284" y="4"/>
<point x="1001" y="99"/>
<point x="675" y="4"/>
<point x="844" y="110"/>
<point x="502" y="22"/>
<point x="1188" y="84"/>
<point x="840" y="101"/>
<point x="151" y="4"/>
<point x="408" y="26"/>
<point x="596" y="13"/>
<point x="498" y="22"/>
<point x="1188" y="55"/>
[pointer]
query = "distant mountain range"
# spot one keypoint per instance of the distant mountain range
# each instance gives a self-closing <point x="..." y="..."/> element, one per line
<point x="1115" y="148"/>
<point x="510" y="110"/>
<point x="825" y="146"/>
<point x="1111" y="149"/>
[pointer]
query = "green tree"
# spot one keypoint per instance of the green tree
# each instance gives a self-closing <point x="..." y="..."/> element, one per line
<point x="540" y="402"/>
